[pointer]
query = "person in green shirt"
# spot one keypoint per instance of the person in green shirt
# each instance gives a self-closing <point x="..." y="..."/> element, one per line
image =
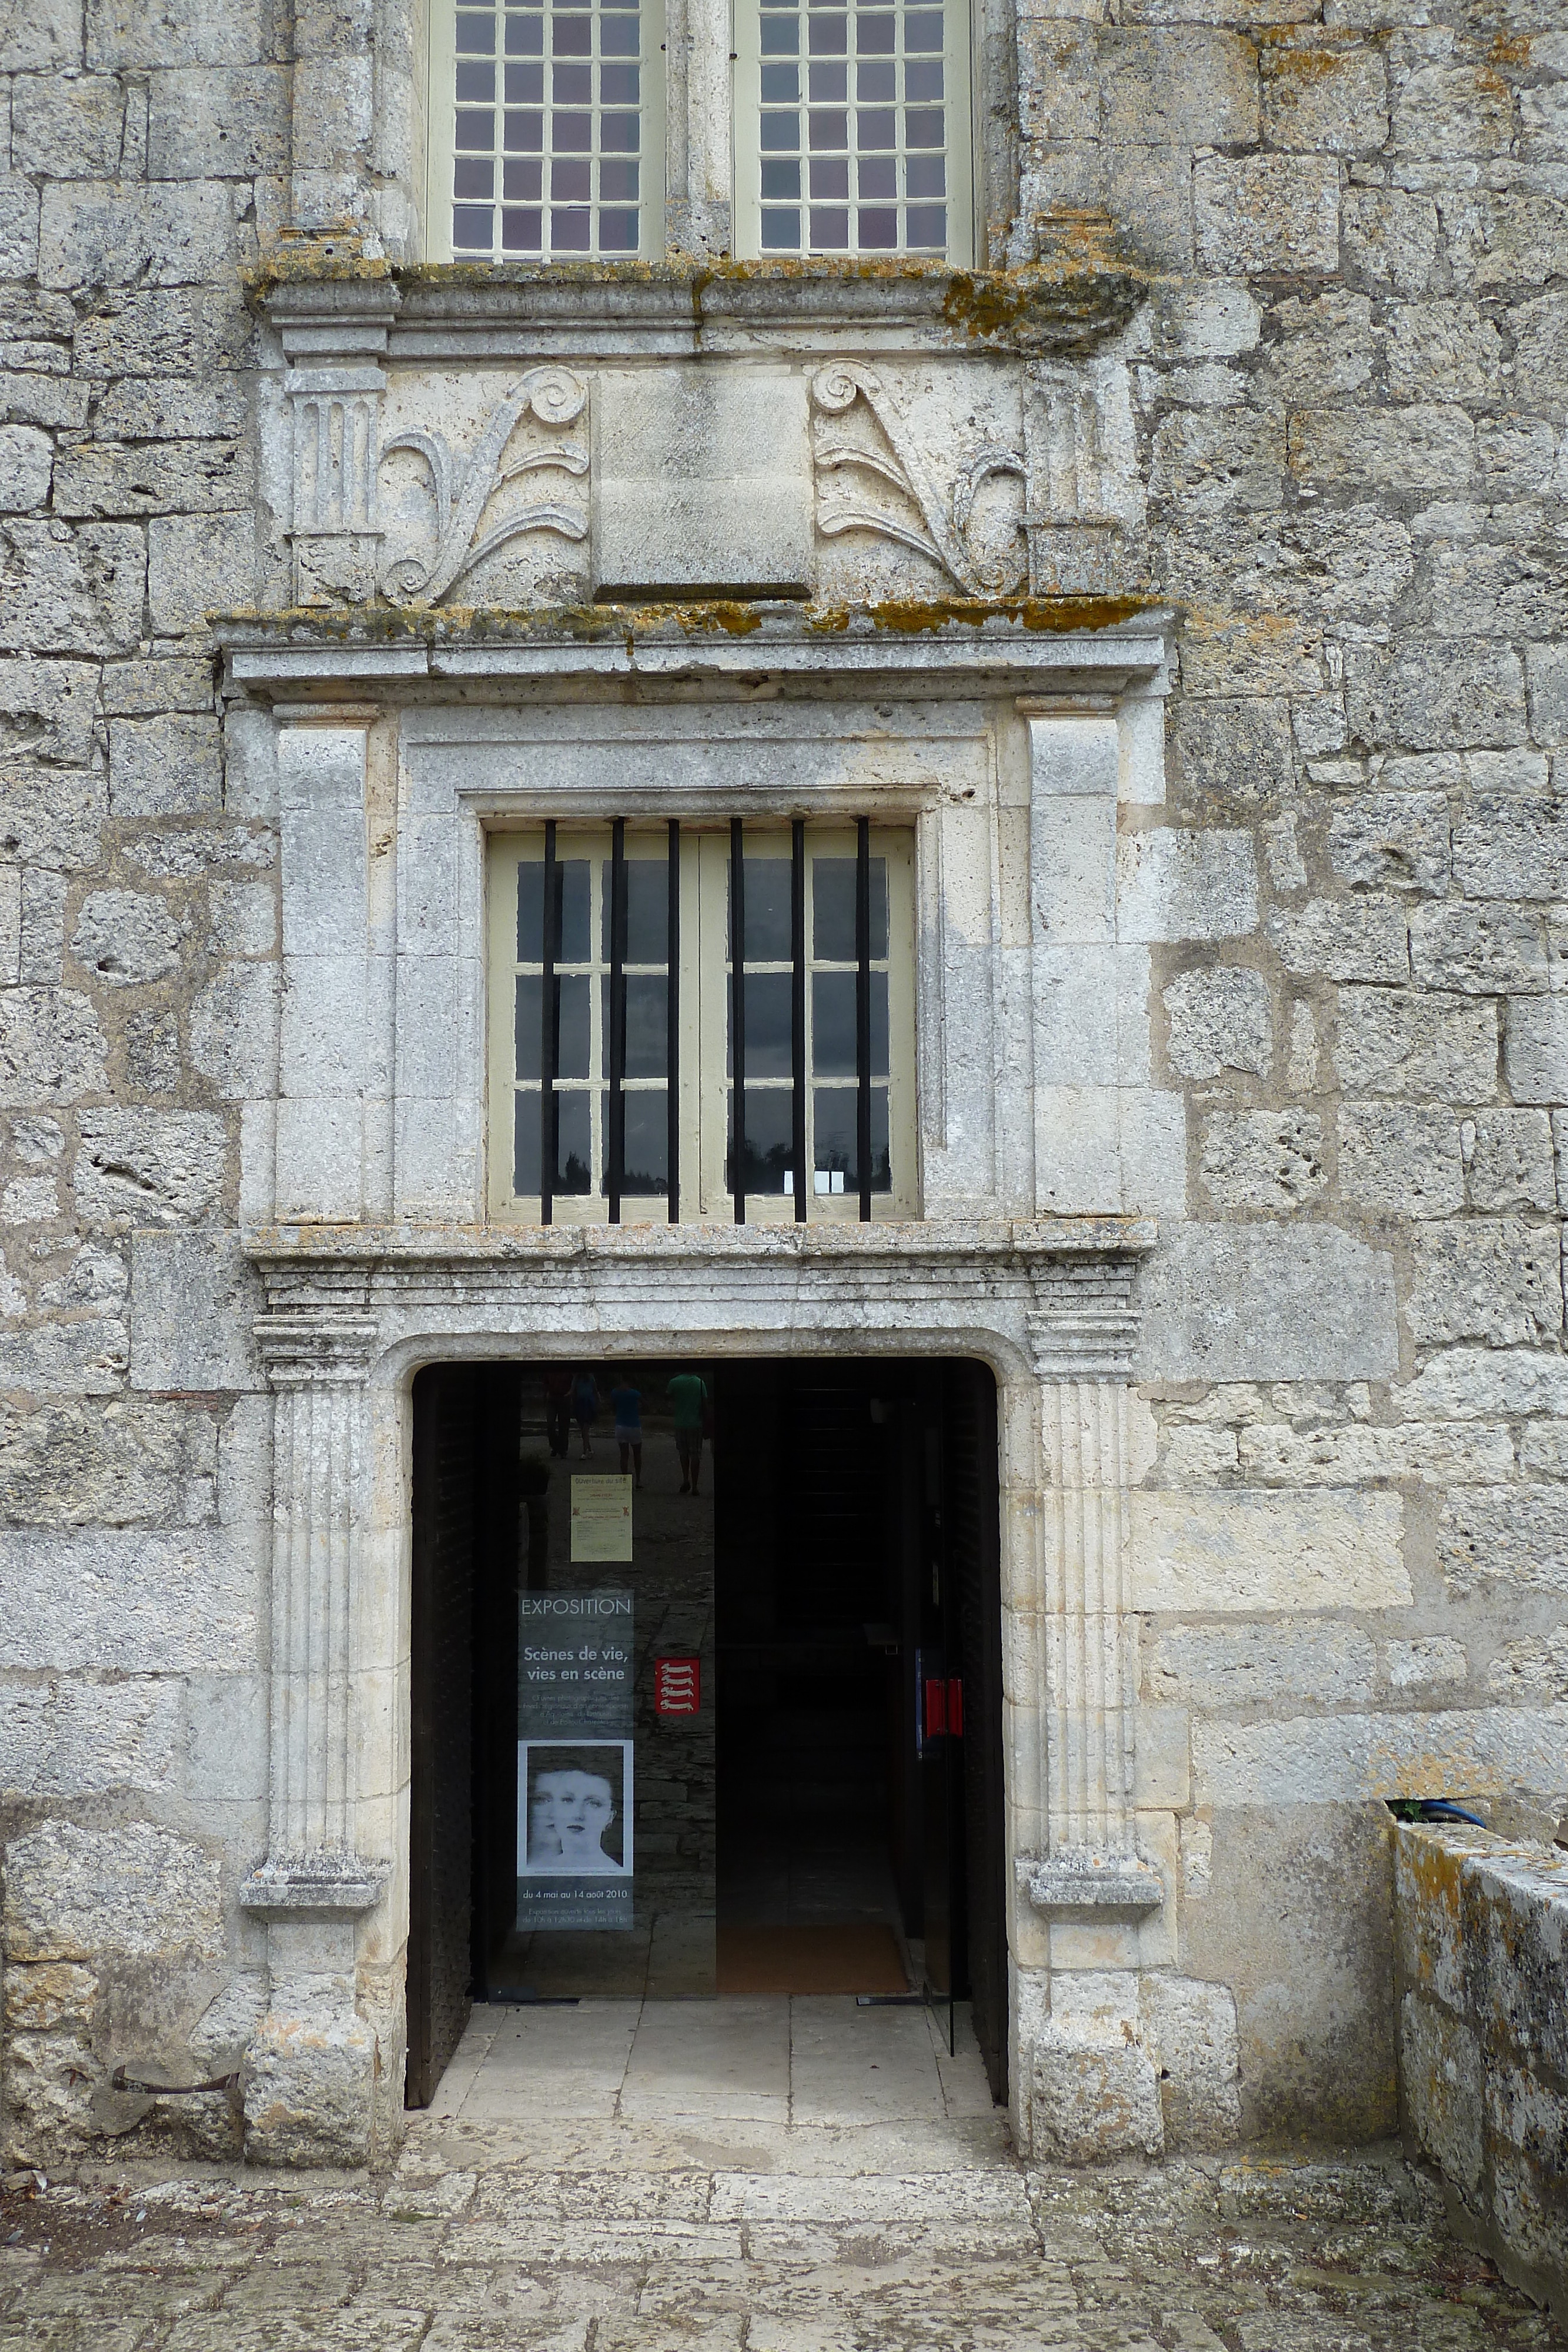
<point x="688" y="1401"/>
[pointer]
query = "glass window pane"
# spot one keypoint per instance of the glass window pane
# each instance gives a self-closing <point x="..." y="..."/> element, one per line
<point x="922" y="81"/>
<point x="830" y="83"/>
<point x="782" y="85"/>
<point x="476" y="33"/>
<point x="571" y="1028"/>
<point x="833" y="1024"/>
<point x="523" y="182"/>
<point x="573" y="879"/>
<point x="476" y="126"/>
<point x="923" y="30"/>
<point x="781" y="37"/>
<point x="876" y="36"/>
<point x="780" y="180"/>
<point x="878" y="227"/>
<point x="528" y="1025"/>
<point x="571" y="37"/>
<point x="826" y="36"/>
<point x="768" y="1026"/>
<point x="571" y="179"/>
<point x="525" y="85"/>
<point x="522" y="230"/>
<point x="647" y="910"/>
<point x="647" y="1024"/>
<point x="767" y="911"/>
<point x="878" y="178"/>
<point x="875" y="82"/>
<point x="526" y="1144"/>
<point x="524" y="37"/>
<point x="928" y="227"/>
<point x="829" y="128"/>
<point x="780" y="231"/>
<point x="574" y="1169"/>
<point x="925" y="175"/>
<point x="476" y="85"/>
<point x="834" y="1142"/>
<point x="830" y="230"/>
<point x="646" y="1149"/>
<point x="571" y="82"/>
<point x="617" y="230"/>
<point x="874" y="127"/>
<point x="769" y="1128"/>
<point x="472" y="227"/>
<point x="833" y="909"/>
<point x="530" y="911"/>
<point x="829" y="177"/>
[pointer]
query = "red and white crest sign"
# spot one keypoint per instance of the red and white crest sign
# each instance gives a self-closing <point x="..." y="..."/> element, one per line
<point x="677" y="1686"/>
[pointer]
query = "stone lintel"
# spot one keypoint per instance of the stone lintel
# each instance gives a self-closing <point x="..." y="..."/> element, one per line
<point x="323" y="1885"/>
<point x="1090" y="1882"/>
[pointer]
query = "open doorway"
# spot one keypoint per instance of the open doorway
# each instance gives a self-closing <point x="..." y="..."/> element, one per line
<point x="706" y="1688"/>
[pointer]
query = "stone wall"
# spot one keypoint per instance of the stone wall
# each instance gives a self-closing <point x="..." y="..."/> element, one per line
<point x="1349" y="1537"/>
<point x="1482" y="1947"/>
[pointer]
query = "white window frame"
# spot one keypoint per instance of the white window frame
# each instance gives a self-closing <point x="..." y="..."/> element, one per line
<point x="704" y="1194"/>
<point x="701" y="183"/>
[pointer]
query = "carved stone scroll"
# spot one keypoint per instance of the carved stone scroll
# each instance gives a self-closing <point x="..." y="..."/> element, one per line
<point x="941" y="525"/>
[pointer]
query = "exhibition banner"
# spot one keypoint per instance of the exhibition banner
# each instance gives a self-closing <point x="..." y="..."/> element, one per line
<point x="576" y="1658"/>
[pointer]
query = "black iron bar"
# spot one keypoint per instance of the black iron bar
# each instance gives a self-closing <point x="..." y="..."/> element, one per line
<point x="615" y="1175"/>
<point x="550" y="1034"/>
<point x="672" y="1028"/>
<point x="797" y="1015"/>
<point x="863" y="1011"/>
<point x="738" y="1012"/>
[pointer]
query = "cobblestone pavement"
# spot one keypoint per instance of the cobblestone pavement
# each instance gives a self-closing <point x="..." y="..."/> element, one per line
<point x="865" y="2232"/>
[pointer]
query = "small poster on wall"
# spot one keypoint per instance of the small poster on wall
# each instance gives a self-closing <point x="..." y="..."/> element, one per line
<point x="575" y="1770"/>
<point x="602" y="1518"/>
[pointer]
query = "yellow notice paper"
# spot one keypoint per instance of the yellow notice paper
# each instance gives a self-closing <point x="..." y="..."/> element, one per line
<point x="602" y="1518"/>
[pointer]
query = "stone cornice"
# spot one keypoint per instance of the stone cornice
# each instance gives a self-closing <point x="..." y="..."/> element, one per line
<point x="498" y="312"/>
<point x="932" y="649"/>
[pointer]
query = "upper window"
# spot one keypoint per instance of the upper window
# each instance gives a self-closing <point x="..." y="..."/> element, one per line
<point x="684" y="1019"/>
<point x="846" y="129"/>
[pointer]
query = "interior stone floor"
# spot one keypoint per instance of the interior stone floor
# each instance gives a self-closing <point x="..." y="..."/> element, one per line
<point x="741" y="2176"/>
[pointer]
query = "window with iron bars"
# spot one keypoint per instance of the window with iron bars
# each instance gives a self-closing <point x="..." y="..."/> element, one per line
<point x="847" y="129"/>
<point x="698" y="1022"/>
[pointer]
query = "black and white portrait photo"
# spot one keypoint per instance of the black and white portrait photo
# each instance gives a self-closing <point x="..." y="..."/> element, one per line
<point x="574" y="1807"/>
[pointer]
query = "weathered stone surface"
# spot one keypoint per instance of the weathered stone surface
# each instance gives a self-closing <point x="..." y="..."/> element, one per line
<point x="1344" y="938"/>
<point x="1434" y="697"/>
<point x="1514" y="1539"/>
<point x="1499" y="1280"/>
<point x="1173" y="885"/>
<point x="26" y="463"/>
<point x="51" y="1047"/>
<point x="1403" y="1160"/>
<point x="116" y="233"/>
<point x="1267" y="1549"/>
<point x="75" y="1465"/>
<point x="307" y="2078"/>
<point x="194" y="1300"/>
<point x="67" y="1738"/>
<point x="1267" y="1303"/>
<point x="1270" y="1160"/>
<point x="1266" y="212"/>
<point x="164" y="767"/>
<point x="1391" y="841"/>
<point x="124" y="938"/>
<point x="1481" y="950"/>
<point x="1219" y="1019"/>
<point x="1514" y="848"/>
<point x="79" y="593"/>
<point x="128" y="1601"/>
<point x="150" y="1167"/>
<point x="1346" y="1758"/>
<point x="76" y="1893"/>
<point x="1533" y="1669"/>
<point x="1226" y="1670"/>
<point x="1392" y="1042"/>
<point x="35" y="34"/>
<point x="197" y="567"/>
<point x="1535" y="1048"/>
<point x="1511" y="1163"/>
<point x="234" y="1031"/>
<point x="1231" y="750"/>
<point x="1358" y="1454"/>
<point x="1420" y="448"/>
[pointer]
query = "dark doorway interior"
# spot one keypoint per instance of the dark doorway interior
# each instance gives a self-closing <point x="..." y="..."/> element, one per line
<point x="832" y="1819"/>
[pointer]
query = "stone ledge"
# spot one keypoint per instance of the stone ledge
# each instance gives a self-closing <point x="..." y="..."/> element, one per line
<point x="325" y="1885"/>
<point x="1003" y="1239"/>
<point x="1090" y="1882"/>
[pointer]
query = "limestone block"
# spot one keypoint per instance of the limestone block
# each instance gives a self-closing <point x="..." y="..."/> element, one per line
<point x="31" y="1200"/>
<point x="47" y="400"/>
<point x="129" y="1601"/>
<point x="217" y="123"/>
<point x="1224" y="1669"/>
<point x="119" y="233"/>
<point x="37" y="34"/>
<point x="136" y="33"/>
<point x="197" y="849"/>
<point x="48" y="1995"/>
<point x="1258" y="1550"/>
<point x="70" y="1464"/>
<point x="1394" y="1041"/>
<point x="1360" y="1453"/>
<point x="1468" y="1383"/>
<point x="68" y="1738"/>
<point x="1282" y="854"/>
<point x="1421" y="448"/>
<point x="1431" y="696"/>
<point x="1264" y="1160"/>
<point x="1432" y="1664"/>
<point x="1173" y="885"/>
<point x="165" y="331"/>
<point x="49" y="2081"/>
<point x="1323" y="93"/>
<point x="141" y="689"/>
<point x="1266" y="1302"/>
<point x="1391" y="238"/>
<point x="243" y="917"/>
<point x="1266" y="212"/>
<point x="164" y="767"/>
<point x="1204" y="320"/>
<point x="1535" y="1048"/>
<point x="1441" y="2075"/>
<point x="96" y="1276"/>
<point x="1214" y="462"/>
<point x="173" y="408"/>
<point x="1512" y="1164"/>
<point x="1343" y="938"/>
<point x="308" y="2077"/>
<point x="81" y="593"/>
<point x="152" y="478"/>
<point x="19" y="211"/>
<point x="1450" y="344"/>
<point x="87" y="1357"/>
<point x="1182" y="86"/>
<point x="67" y="128"/>
<point x="126" y="937"/>
<point x="1481" y="951"/>
<point x="701" y="481"/>
<point x="1514" y="1539"/>
<point x="1233" y="749"/>
<point x="1327" y="347"/>
<point x="1540" y="350"/>
<point x="1517" y="1925"/>
<point x="51" y="1047"/>
<point x="1499" y="1280"/>
<point x="1396" y="841"/>
<point x="153" y="1062"/>
<point x="234" y="1031"/>
<point x="27" y="461"/>
<point x="1533" y="1670"/>
<point x="150" y="1167"/>
<point x="193" y="1299"/>
<point x="47" y="709"/>
<point x="1401" y="1159"/>
<point x="1505" y="242"/>
<point x="1356" y="1758"/>
<point x="1189" y="2031"/>
<point x="1220" y="1019"/>
<point x="136" y="1891"/>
